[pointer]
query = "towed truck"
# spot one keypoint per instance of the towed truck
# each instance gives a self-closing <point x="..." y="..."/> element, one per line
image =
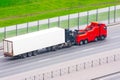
<point x="93" y="32"/>
<point x="52" y="39"/>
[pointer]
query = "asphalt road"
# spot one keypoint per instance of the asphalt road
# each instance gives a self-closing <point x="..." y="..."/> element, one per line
<point x="10" y="66"/>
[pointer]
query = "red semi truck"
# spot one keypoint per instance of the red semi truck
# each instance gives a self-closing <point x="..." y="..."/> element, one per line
<point x="93" y="32"/>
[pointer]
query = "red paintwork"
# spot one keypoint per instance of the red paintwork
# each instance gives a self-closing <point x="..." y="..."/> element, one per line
<point x="91" y="32"/>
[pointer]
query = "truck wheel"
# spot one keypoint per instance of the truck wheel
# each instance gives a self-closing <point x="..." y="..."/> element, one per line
<point x="81" y="43"/>
<point x="48" y="49"/>
<point x="29" y="54"/>
<point x="102" y="37"/>
<point x="86" y="41"/>
<point x="96" y="39"/>
<point x="54" y="48"/>
<point x="60" y="46"/>
<point x="34" y="53"/>
<point x="24" y="55"/>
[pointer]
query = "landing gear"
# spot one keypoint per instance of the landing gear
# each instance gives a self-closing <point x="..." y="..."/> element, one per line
<point x="69" y="44"/>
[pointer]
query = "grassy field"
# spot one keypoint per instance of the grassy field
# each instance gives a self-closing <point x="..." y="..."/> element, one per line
<point x="20" y="11"/>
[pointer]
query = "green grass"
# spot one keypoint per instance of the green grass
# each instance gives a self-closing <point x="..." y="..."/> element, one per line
<point x="20" y="11"/>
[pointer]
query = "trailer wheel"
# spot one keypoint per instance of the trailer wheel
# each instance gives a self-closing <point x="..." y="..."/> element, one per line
<point x="48" y="49"/>
<point x="102" y="37"/>
<point x="60" y="46"/>
<point x="96" y="39"/>
<point x="81" y="42"/>
<point x="24" y="55"/>
<point x="54" y="48"/>
<point x="86" y="41"/>
<point x="34" y="53"/>
<point x="29" y="54"/>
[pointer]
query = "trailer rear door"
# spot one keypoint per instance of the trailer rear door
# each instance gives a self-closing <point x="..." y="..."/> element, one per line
<point x="8" y="48"/>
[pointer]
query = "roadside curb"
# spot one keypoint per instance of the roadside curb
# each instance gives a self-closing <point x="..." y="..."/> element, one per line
<point x="114" y="24"/>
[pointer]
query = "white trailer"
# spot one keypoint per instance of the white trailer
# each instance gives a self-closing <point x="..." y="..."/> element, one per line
<point x="33" y="41"/>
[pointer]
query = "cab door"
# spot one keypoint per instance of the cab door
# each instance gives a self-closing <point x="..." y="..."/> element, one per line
<point x="90" y="34"/>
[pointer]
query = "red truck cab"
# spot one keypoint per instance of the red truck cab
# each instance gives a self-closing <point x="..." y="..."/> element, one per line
<point x="93" y="32"/>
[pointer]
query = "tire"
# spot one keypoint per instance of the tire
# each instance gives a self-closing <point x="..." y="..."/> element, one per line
<point x="54" y="48"/>
<point x="81" y="42"/>
<point x="48" y="49"/>
<point x="60" y="46"/>
<point x="34" y="53"/>
<point x="24" y="55"/>
<point x="86" y="41"/>
<point x="96" y="39"/>
<point x="102" y="37"/>
<point x="29" y="54"/>
<point x="65" y="45"/>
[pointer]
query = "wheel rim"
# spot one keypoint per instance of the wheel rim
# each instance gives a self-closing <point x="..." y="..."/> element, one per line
<point x="102" y="37"/>
<point x="96" y="39"/>
<point x="29" y="54"/>
<point x="86" y="41"/>
<point x="81" y="42"/>
<point x="24" y="55"/>
<point x="54" y="48"/>
<point x="48" y="49"/>
<point x="34" y="53"/>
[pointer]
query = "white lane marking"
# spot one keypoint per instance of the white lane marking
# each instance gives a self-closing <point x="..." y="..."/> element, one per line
<point x="1" y="56"/>
<point x="88" y="49"/>
<point x="44" y="60"/>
